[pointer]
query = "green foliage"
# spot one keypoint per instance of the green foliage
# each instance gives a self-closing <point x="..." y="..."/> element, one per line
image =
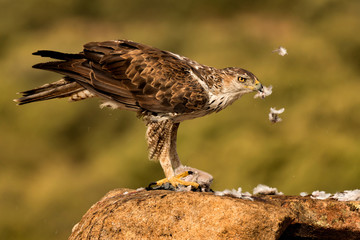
<point x="58" y="158"/>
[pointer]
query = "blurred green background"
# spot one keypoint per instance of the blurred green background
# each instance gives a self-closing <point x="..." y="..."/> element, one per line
<point x="58" y="158"/>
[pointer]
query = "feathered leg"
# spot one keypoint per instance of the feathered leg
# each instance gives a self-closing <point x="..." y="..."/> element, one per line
<point x="161" y="137"/>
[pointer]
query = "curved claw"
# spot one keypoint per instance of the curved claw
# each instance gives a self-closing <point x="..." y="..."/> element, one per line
<point x="174" y="182"/>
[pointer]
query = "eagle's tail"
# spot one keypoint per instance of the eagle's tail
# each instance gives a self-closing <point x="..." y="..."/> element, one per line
<point x="58" y="89"/>
<point x="58" y="55"/>
<point x="66" y="87"/>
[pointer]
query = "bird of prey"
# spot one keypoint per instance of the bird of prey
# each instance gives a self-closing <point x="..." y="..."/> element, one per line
<point x="162" y="87"/>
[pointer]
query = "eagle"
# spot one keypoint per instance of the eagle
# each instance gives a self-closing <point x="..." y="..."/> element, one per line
<point x="164" y="89"/>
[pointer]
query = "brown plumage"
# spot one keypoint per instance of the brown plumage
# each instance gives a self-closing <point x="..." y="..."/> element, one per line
<point x="163" y="87"/>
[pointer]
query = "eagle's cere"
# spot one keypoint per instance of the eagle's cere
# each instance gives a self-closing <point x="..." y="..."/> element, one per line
<point x="162" y="87"/>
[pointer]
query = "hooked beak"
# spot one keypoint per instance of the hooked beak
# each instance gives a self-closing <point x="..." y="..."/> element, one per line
<point x="258" y="86"/>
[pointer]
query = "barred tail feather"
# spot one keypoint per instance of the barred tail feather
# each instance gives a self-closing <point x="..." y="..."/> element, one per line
<point x="58" y="89"/>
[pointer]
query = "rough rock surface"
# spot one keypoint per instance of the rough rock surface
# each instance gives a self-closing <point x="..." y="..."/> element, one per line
<point x="161" y="214"/>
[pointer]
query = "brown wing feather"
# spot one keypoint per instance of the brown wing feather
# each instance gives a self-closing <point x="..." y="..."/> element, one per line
<point x="136" y="76"/>
<point x="157" y="80"/>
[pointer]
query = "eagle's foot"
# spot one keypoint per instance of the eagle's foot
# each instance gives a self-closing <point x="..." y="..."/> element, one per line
<point x="187" y="179"/>
<point x="174" y="183"/>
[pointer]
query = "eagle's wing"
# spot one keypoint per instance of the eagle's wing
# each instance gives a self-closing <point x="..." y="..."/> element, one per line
<point x="135" y="76"/>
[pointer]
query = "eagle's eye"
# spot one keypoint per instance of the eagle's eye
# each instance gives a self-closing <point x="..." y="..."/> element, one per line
<point x="241" y="79"/>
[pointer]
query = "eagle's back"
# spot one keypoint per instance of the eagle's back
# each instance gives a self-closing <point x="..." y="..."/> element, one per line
<point x="127" y="75"/>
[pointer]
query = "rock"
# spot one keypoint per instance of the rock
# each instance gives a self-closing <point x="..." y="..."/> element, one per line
<point x="161" y="214"/>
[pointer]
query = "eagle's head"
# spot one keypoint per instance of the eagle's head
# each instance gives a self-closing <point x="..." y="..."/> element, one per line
<point x="240" y="81"/>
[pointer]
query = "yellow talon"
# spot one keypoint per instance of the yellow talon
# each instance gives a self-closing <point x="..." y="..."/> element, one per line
<point x="176" y="181"/>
